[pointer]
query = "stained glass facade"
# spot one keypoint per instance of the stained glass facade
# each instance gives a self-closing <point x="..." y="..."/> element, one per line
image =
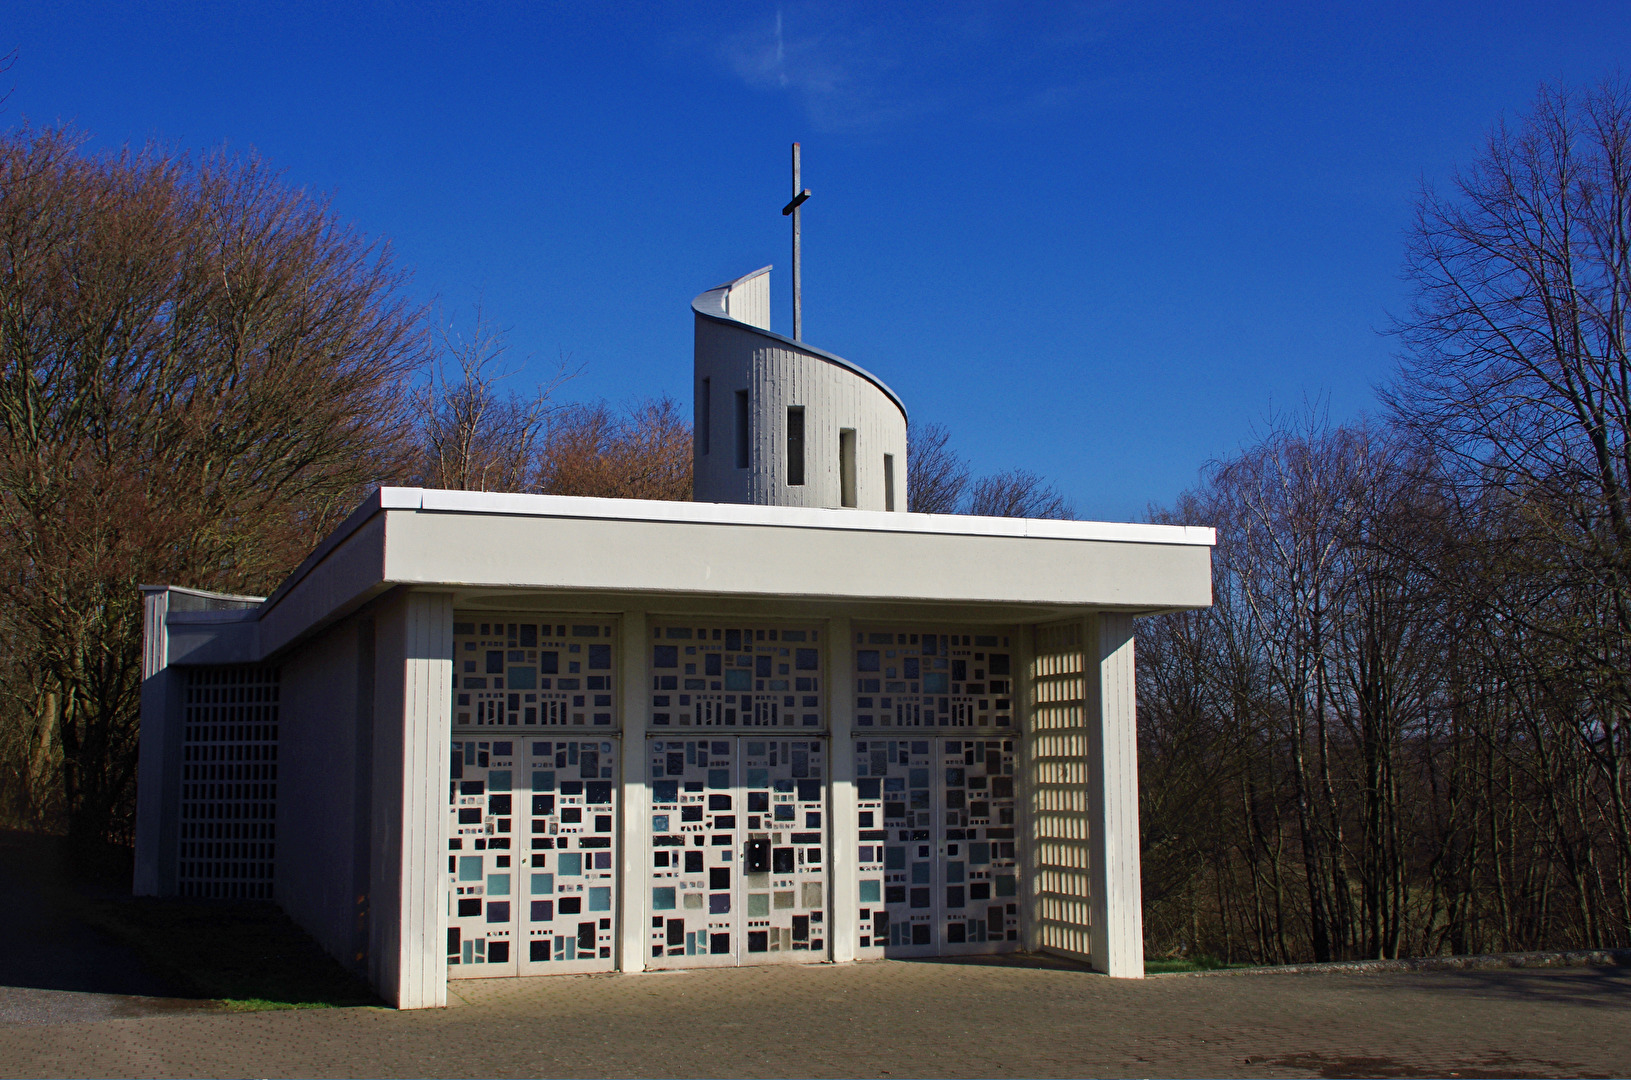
<point x="918" y="677"/>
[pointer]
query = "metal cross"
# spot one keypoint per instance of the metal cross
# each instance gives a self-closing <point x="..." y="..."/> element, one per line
<point x="792" y="210"/>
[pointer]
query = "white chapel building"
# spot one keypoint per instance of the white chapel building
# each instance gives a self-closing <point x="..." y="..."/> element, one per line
<point x="479" y="735"/>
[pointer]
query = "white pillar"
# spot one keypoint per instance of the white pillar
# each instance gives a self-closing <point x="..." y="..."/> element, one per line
<point x="413" y="730"/>
<point x="845" y="872"/>
<point x="635" y="703"/>
<point x="1116" y="920"/>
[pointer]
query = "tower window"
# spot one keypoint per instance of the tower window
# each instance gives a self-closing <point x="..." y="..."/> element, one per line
<point x="889" y="481"/>
<point x="705" y="408"/>
<point x="742" y="433"/>
<point x="846" y="466"/>
<point x="795" y="446"/>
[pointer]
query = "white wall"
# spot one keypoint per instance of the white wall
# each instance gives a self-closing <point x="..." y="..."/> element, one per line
<point x="325" y="723"/>
<point x="748" y="299"/>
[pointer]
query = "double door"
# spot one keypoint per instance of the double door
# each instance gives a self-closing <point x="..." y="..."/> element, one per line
<point x="738" y="851"/>
<point x="937" y="846"/>
<point x="532" y="852"/>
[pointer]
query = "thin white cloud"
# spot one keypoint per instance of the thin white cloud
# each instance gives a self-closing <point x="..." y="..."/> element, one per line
<point x="864" y="68"/>
<point x="841" y="76"/>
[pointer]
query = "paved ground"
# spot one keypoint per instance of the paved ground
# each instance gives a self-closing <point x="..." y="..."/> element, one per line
<point x="75" y="1003"/>
<point x="894" y="1019"/>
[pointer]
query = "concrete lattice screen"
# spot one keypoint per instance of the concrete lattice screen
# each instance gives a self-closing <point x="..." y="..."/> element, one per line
<point x="229" y="783"/>
<point x="1058" y="798"/>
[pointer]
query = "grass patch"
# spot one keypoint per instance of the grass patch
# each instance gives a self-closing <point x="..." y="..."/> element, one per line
<point x="1176" y="965"/>
<point x="246" y="955"/>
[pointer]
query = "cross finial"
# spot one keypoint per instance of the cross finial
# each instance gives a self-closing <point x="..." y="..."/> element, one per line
<point x="792" y="210"/>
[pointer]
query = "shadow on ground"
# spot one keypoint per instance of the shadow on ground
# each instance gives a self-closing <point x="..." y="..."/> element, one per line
<point x="1608" y="988"/>
<point x="1013" y="960"/>
<point x="1354" y="1067"/>
<point x="76" y="929"/>
<point x="51" y="945"/>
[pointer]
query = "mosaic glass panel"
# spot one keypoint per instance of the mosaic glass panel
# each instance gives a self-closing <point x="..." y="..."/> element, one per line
<point x="229" y="760"/>
<point x="532" y="851"/>
<point x="937" y="855"/>
<point x="738" y="866"/>
<point x="917" y="678"/>
<point x="532" y="671"/>
<point x="736" y="677"/>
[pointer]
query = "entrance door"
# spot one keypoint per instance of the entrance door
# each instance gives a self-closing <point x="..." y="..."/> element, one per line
<point x="738" y="872"/>
<point x="532" y="851"/>
<point x="937" y="852"/>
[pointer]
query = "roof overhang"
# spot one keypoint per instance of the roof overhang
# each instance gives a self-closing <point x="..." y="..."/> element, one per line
<point x="529" y="551"/>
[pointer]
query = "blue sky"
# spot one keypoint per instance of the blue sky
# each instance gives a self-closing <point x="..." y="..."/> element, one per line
<point x="1099" y="240"/>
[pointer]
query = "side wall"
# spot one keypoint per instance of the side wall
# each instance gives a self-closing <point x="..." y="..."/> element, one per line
<point x="318" y="883"/>
<point x="365" y="730"/>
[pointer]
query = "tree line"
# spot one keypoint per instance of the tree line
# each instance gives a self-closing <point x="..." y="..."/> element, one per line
<point x="1405" y="726"/>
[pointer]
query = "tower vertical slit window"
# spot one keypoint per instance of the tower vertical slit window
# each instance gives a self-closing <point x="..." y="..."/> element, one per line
<point x="795" y="445"/>
<point x="889" y="481"/>
<point x="705" y="406"/>
<point x="742" y="433"/>
<point x="846" y="466"/>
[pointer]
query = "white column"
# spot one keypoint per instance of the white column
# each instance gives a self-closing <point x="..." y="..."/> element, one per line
<point x="634" y="875"/>
<point x="1117" y="923"/>
<point x="414" y="726"/>
<point x="843" y="911"/>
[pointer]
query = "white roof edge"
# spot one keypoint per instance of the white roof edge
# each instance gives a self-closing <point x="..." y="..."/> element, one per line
<point x="205" y="593"/>
<point x="381" y="498"/>
<point x="571" y="506"/>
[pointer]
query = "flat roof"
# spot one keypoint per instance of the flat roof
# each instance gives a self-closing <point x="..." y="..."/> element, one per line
<point x="788" y="517"/>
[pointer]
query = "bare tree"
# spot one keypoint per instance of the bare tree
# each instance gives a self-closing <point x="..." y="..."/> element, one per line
<point x="940" y="483"/>
<point x="643" y="453"/>
<point x="1017" y="493"/>
<point x="200" y="369"/>
<point x="936" y="476"/>
<point x="472" y="436"/>
<point x="1405" y="719"/>
<point x="1516" y="372"/>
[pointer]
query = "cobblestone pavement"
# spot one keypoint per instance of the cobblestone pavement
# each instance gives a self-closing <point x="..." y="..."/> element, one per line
<point x="895" y="1019"/>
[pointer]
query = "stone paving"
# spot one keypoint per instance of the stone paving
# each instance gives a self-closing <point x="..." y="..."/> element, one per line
<point x="893" y="1019"/>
